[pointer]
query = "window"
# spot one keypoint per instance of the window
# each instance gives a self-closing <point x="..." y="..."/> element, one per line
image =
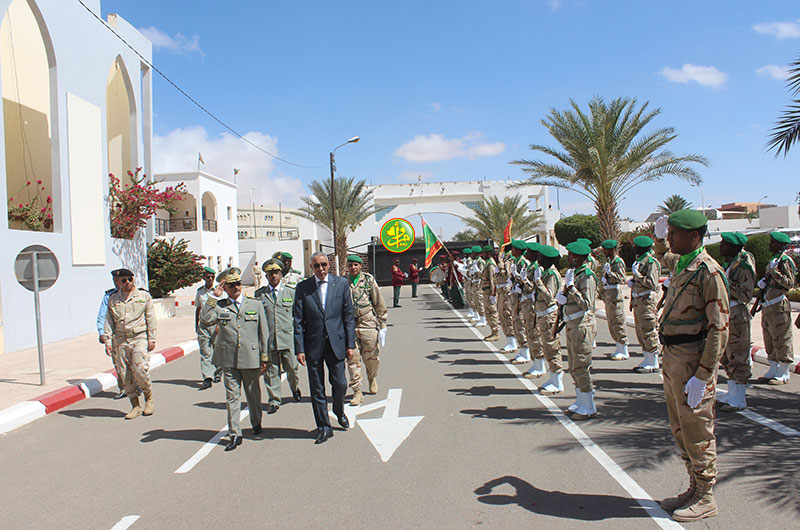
<point x="268" y="218"/>
<point x="287" y="219"/>
<point x="230" y="213"/>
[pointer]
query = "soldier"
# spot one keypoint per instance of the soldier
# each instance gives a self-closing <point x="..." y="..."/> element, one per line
<point x="547" y="285"/>
<point x="206" y="334"/>
<point x="466" y="270"/>
<point x="613" y="279"/>
<point x="502" y="280"/>
<point x="291" y="277"/>
<point x="130" y="328"/>
<point x="116" y="360"/>
<point x="370" y="316"/>
<point x="644" y="297"/>
<point x="240" y="348"/>
<point x="489" y="294"/>
<point x="694" y="330"/>
<point x="278" y="301"/>
<point x="519" y="265"/>
<point x="256" y="274"/>
<point x="454" y="281"/>
<point x="776" y="322"/>
<point x="413" y="277"/>
<point x="590" y="261"/>
<point x="398" y="277"/>
<point x="527" y="307"/>
<point x="477" y="294"/>
<point x="577" y="299"/>
<point x="444" y="267"/>
<point x="740" y="269"/>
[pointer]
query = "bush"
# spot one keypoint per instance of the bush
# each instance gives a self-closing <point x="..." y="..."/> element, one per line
<point x="793" y="295"/>
<point x="576" y="226"/>
<point x="170" y="266"/>
<point x="626" y="243"/>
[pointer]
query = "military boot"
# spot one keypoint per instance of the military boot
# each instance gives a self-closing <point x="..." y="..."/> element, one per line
<point x="149" y="403"/>
<point x="358" y="397"/>
<point x="373" y="386"/>
<point x="673" y="503"/>
<point x="701" y="506"/>
<point x="136" y="411"/>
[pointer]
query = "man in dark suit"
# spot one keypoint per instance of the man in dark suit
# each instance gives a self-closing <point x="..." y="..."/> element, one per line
<point x="324" y="334"/>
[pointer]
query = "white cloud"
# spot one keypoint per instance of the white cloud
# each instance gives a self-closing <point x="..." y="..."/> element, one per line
<point x="773" y="71"/>
<point x="779" y="30"/>
<point x="435" y="106"/>
<point x="178" y="44"/>
<point x="554" y="4"/>
<point x="703" y="75"/>
<point x="432" y="147"/>
<point x="177" y="152"/>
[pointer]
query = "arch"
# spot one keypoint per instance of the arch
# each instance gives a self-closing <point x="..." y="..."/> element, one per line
<point x="185" y="217"/>
<point x="208" y="204"/>
<point x="27" y="62"/>
<point x="120" y="120"/>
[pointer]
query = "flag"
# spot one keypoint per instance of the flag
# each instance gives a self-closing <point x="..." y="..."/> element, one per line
<point x="200" y="158"/>
<point x="507" y="232"/>
<point x="432" y="243"/>
<point x="235" y="172"/>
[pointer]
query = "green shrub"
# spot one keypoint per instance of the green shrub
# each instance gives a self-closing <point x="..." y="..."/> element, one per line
<point x="576" y="226"/>
<point x="171" y="265"/>
<point x="793" y="295"/>
<point x="626" y="243"/>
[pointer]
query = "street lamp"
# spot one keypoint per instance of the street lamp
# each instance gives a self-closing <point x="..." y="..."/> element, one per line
<point x="352" y="140"/>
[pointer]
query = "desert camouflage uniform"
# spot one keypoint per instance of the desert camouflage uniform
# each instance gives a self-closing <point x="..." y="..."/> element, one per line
<point x="614" y="300"/>
<point x="517" y="295"/>
<point x="131" y="324"/>
<point x="292" y="278"/>
<point x="528" y="310"/>
<point x="776" y="320"/>
<point x="370" y="314"/>
<point x="645" y="298"/>
<point x="741" y="273"/>
<point x="579" y="317"/>
<point x="487" y="289"/>
<point x="502" y="279"/>
<point x="477" y="294"/>
<point x="694" y="329"/>
<point x="546" y="312"/>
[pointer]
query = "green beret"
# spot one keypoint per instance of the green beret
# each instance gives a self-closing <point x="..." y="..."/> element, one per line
<point x="468" y="250"/>
<point x="286" y="255"/>
<point x="476" y="248"/>
<point x="209" y="270"/>
<point x="585" y="241"/>
<point x="580" y="248"/>
<point x="643" y="241"/>
<point x="272" y="265"/>
<point x="533" y="246"/>
<point x="734" y="238"/>
<point x="609" y="243"/>
<point x="780" y="237"/>
<point x="688" y="219"/>
<point x="355" y="259"/>
<point x="487" y="248"/>
<point x="518" y="244"/>
<point x="548" y="251"/>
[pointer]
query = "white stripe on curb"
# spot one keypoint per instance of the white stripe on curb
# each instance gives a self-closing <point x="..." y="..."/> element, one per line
<point x="156" y="360"/>
<point x="20" y="414"/>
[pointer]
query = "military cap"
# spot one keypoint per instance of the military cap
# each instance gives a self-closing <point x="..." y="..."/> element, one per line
<point x="643" y="241"/>
<point x="585" y="241"/>
<point x="414" y="260"/>
<point x="780" y="237"/>
<point x="580" y="248"/>
<point x="272" y="265"/>
<point x="467" y="250"/>
<point x="230" y="275"/>
<point x="609" y="243"/>
<point x="209" y="270"/>
<point x="518" y="244"/>
<point x="286" y="255"/>
<point x="533" y="246"/>
<point x="487" y="248"/>
<point x="734" y="238"/>
<point x="548" y="251"/>
<point x="688" y="219"/>
<point x="121" y="273"/>
<point x="476" y="248"/>
<point x="355" y="259"/>
<point x="396" y="260"/>
<point x="277" y="255"/>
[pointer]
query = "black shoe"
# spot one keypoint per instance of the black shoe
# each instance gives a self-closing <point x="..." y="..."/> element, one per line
<point x="296" y="395"/>
<point x="120" y="395"/>
<point x="234" y="441"/>
<point x="343" y="421"/>
<point x="217" y="378"/>
<point x="257" y="429"/>
<point x="323" y="436"/>
<point x="272" y="409"/>
<point x="205" y="384"/>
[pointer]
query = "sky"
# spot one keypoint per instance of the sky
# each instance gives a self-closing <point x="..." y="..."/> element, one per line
<point x="455" y="90"/>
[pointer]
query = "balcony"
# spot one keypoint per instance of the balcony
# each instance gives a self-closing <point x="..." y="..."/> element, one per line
<point x="209" y="225"/>
<point x="182" y="224"/>
<point x="161" y="227"/>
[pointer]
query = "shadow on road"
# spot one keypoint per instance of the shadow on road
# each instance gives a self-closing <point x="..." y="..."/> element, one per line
<point x="93" y="413"/>
<point x="186" y="435"/>
<point x="191" y="383"/>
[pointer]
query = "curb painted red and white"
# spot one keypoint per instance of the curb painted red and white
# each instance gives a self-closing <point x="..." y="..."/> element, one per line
<point x="757" y="353"/>
<point x="28" y="411"/>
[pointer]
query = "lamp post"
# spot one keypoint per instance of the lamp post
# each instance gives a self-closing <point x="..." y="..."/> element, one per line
<point x="352" y="140"/>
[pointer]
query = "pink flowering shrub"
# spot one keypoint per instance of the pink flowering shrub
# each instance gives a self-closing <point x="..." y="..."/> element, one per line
<point x="132" y="205"/>
<point x="28" y="209"/>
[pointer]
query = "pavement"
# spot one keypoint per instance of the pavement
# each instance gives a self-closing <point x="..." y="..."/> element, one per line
<point x="469" y="443"/>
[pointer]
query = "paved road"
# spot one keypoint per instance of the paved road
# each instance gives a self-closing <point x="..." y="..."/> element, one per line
<point x="487" y="452"/>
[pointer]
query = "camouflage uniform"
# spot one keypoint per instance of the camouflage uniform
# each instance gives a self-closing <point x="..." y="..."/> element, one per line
<point x="517" y="295"/>
<point x="370" y="315"/>
<point x="645" y="298"/>
<point x="578" y="315"/>
<point x="292" y="278"/>
<point x="546" y="312"/>
<point x="502" y="279"/>
<point x="741" y="273"/>
<point x="528" y="310"/>
<point x="487" y="288"/>
<point x="477" y="295"/>
<point x="131" y="324"/>
<point x="614" y="300"/>
<point x="776" y="321"/>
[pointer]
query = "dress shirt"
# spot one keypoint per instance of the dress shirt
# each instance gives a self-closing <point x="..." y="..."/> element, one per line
<point x="322" y="287"/>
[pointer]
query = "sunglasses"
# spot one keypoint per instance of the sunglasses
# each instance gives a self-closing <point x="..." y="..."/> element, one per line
<point x="126" y="280"/>
<point x="233" y="284"/>
<point x="320" y="265"/>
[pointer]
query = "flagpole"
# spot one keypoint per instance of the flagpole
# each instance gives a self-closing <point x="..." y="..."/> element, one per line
<point x="455" y="275"/>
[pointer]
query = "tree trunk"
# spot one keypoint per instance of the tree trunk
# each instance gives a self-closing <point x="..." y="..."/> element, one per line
<point x="608" y="219"/>
<point x="341" y="254"/>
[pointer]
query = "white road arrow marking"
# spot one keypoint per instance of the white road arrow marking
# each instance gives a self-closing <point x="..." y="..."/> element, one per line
<point x="388" y="432"/>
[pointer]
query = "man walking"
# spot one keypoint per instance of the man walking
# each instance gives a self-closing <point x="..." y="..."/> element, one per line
<point x="206" y="334"/>
<point x="398" y="277"/>
<point x="613" y="279"/>
<point x="644" y="299"/>
<point x="278" y="301"/>
<point x="116" y="359"/>
<point x="413" y="277"/>
<point x="370" y="317"/>
<point x="130" y="329"/>
<point x="324" y="335"/>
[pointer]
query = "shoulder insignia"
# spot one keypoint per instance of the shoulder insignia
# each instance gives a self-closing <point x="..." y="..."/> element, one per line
<point x="250" y="312"/>
<point x="112" y="290"/>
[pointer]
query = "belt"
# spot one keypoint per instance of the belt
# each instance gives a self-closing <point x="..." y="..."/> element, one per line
<point x="773" y="301"/>
<point x="611" y="286"/>
<point x="547" y="311"/>
<point x="129" y="334"/>
<point x="674" y="340"/>
<point x="643" y="293"/>
<point x="574" y="316"/>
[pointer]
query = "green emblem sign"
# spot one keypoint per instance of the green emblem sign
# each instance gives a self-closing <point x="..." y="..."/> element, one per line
<point x="397" y="235"/>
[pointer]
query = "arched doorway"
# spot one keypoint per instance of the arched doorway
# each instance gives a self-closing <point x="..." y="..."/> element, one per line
<point x="120" y="121"/>
<point x="209" y="212"/>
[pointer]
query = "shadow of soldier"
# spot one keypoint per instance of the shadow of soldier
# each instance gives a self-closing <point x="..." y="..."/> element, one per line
<point x="580" y="506"/>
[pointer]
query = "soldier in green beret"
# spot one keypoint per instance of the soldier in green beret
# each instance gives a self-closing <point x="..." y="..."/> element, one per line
<point x="590" y="261"/>
<point x="467" y="273"/>
<point x="477" y="268"/>
<point x="613" y="279"/>
<point x="644" y="300"/>
<point x="776" y="322"/>
<point x="502" y="280"/>
<point x="694" y="331"/>
<point x="527" y="305"/>
<point x="546" y="286"/>
<point x="519" y="264"/>
<point x="291" y="277"/>
<point x="740" y="268"/>
<point x="206" y="334"/>
<point x="489" y="293"/>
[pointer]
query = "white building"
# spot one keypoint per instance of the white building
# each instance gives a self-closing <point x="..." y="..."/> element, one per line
<point x="77" y="104"/>
<point x="205" y="218"/>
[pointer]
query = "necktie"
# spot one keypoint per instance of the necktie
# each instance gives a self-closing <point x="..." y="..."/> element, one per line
<point x="274" y="295"/>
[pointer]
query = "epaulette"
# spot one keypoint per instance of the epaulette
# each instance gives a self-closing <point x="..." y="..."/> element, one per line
<point x="111" y="291"/>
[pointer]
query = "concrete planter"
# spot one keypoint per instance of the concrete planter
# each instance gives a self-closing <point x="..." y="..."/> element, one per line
<point x="165" y="307"/>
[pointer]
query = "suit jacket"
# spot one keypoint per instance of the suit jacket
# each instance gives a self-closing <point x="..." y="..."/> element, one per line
<point x="242" y="335"/>
<point x="311" y="323"/>
<point x="280" y="317"/>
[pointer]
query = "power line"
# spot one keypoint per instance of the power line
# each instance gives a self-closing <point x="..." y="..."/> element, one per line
<point x="190" y="98"/>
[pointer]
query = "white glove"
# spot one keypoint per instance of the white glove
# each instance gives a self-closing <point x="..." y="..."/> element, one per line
<point x="630" y="284"/>
<point x="635" y="267"/>
<point x="537" y="275"/>
<point x="523" y="273"/>
<point x="661" y="227"/>
<point x="382" y="337"/>
<point x="694" y="390"/>
<point x="561" y="299"/>
<point x="569" y="278"/>
<point x="513" y="268"/>
<point x="667" y="282"/>
<point x="492" y="299"/>
<point x="405" y="274"/>
<point x="607" y="268"/>
<point x="773" y="263"/>
<point x="762" y="284"/>
<point x="603" y="279"/>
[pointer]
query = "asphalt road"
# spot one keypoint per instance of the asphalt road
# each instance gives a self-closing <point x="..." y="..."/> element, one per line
<point x="487" y="452"/>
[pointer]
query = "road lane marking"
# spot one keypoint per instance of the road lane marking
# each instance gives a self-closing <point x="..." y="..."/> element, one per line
<point x="651" y="507"/>
<point x="125" y="522"/>
<point x="207" y="447"/>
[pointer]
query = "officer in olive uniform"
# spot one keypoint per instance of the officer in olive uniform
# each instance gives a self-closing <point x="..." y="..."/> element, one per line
<point x="370" y="315"/>
<point x="240" y="348"/>
<point x="644" y="299"/>
<point x="547" y="284"/>
<point x="291" y="277"/>
<point x="278" y="301"/>
<point x="130" y="328"/>
<point x="613" y="279"/>
<point x="206" y="334"/>
<point x="488" y="293"/>
<point x="740" y="268"/>
<point x="694" y="331"/>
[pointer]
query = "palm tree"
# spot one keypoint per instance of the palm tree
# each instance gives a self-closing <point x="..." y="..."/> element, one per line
<point x="786" y="130"/>
<point x="605" y="153"/>
<point x="673" y="203"/>
<point x="492" y="216"/>
<point x="464" y="235"/>
<point x="352" y="208"/>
